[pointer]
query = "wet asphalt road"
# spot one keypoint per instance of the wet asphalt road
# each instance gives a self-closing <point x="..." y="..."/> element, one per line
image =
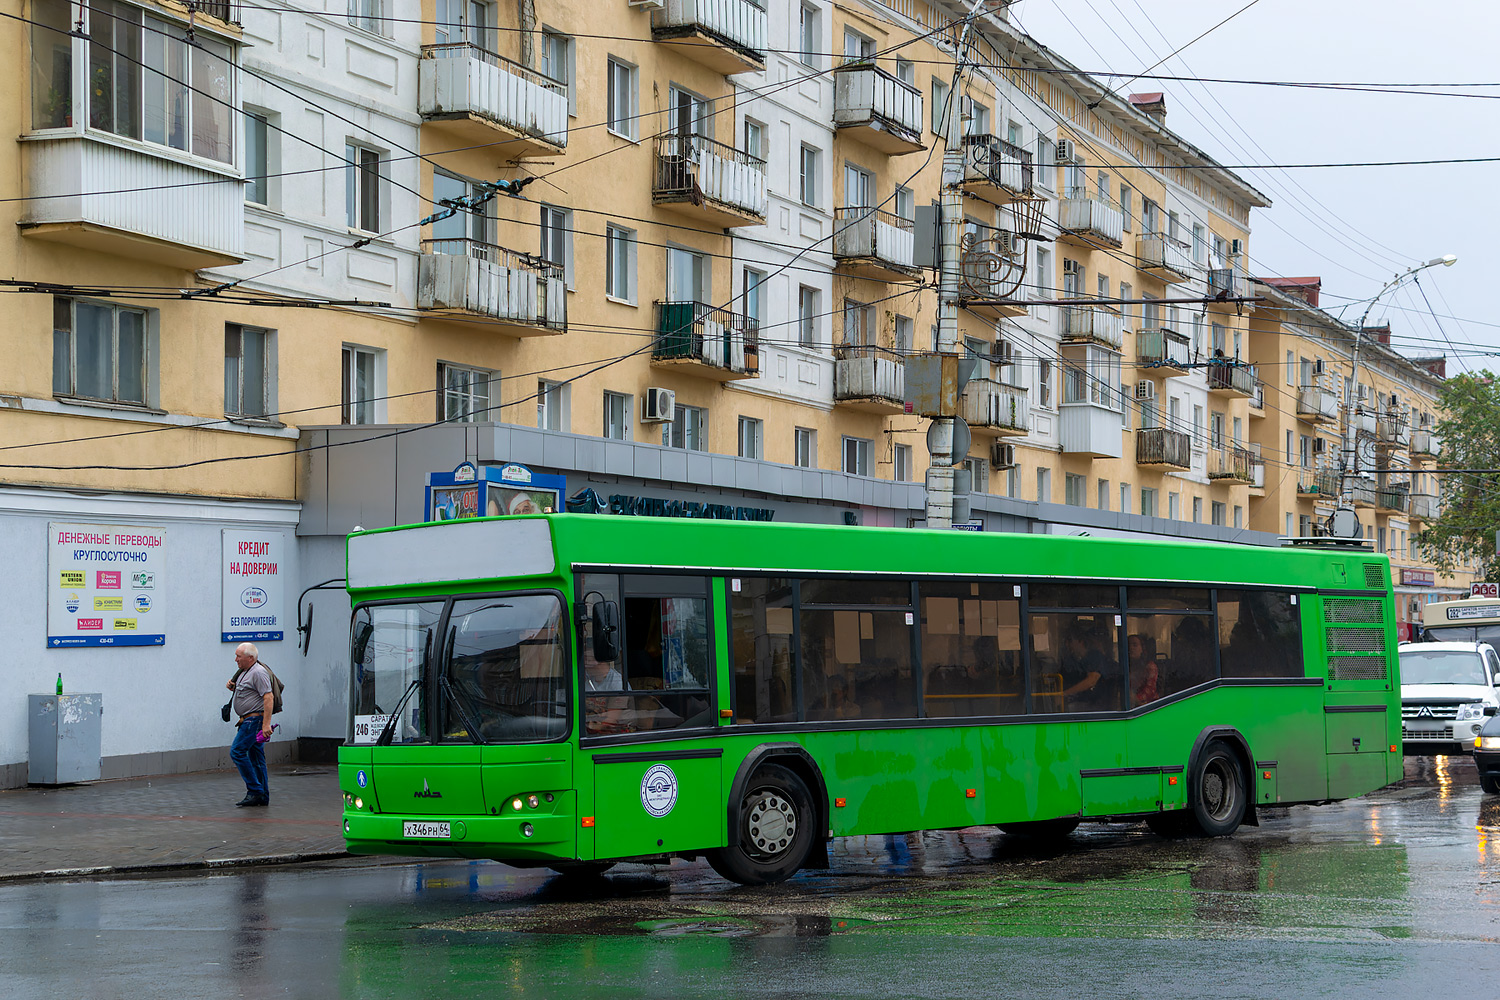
<point x="1393" y="895"/>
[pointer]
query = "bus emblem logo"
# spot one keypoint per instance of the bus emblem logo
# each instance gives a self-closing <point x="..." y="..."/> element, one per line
<point x="659" y="790"/>
<point x="426" y="793"/>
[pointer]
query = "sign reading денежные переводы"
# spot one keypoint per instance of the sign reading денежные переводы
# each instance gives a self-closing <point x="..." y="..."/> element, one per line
<point x="253" y="601"/>
<point x="104" y="585"/>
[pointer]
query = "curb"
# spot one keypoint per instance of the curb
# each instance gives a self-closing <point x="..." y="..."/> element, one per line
<point x="99" y="871"/>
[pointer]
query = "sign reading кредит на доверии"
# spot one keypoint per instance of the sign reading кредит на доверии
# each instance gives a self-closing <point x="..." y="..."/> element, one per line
<point x="104" y="585"/>
<point x="253" y="598"/>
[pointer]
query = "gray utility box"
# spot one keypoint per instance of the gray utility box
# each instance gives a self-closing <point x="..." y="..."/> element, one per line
<point x="66" y="738"/>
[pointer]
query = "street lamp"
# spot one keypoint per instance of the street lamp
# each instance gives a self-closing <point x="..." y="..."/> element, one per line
<point x="1345" y="520"/>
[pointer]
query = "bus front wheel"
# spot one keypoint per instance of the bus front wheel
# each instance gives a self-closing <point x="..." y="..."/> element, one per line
<point x="777" y="827"/>
<point x="1216" y="791"/>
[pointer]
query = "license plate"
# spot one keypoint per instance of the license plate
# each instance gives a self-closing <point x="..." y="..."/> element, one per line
<point x="430" y="831"/>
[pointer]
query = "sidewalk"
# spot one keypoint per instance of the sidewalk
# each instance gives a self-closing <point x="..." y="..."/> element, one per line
<point x="183" y="821"/>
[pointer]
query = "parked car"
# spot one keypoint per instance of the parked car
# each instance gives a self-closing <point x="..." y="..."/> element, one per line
<point x="1487" y="755"/>
<point x="1447" y="694"/>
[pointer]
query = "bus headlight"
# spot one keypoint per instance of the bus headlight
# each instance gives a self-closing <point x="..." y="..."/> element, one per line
<point x="1473" y="710"/>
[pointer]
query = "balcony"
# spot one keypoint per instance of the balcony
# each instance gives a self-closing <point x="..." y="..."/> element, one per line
<point x="1423" y="507"/>
<point x="1093" y="325"/>
<point x="1323" y="483"/>
<point x="1257" y="468"/>
<point x="875" y="108"/>
<point x="1165" y="352"/>
<point x="869" y="379"/>
<point x="995" y="167"/>
<point x="176" y="212"/>
<point x="1363" y="491"/>
<point x="1317" y="405"/>
<point x="1227" y="377"/>
<point x="1258" y="401"/>
<point x="1228" y="283"/>
<point x="1391" y="430"/>
<point x="994" y="408"/>
<point x="1163" y="448"/>
<point x="709" y="182"/>
<point x="727" y="36"/>
<point x="1091" y="221"/>
<point x="1163" y="257"/>
<point x="493" y="288"/>
<point x="1232" y="465"/>
<point x="703" y="340"/>
<point x="469" y="95"/>
<point x="873" y="244"/>
<point x="1392" y="498"/>
<point x="1426" y="443"/>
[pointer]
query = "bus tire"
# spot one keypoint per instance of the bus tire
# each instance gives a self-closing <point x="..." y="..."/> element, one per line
<point x="1042" y="829"/>
<point x="777" y="829"/>
<point x="1216" y="790"/>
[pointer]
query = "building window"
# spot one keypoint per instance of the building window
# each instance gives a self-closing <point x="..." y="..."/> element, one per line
<point x="619" y="263"/>
<point x="1216" y="512"/>
<point x="755" y="293"/>
<point x="858" y="48"/>
<point x="99" y="351"/>
<point x="464" y="224"/>
<point x="752" y="440"/>
<point x="51" y="65"/>
<point x="1075" y="490"/>
<point x="857" y="456"/>
<point x="688" y="429"/>
<point x="147" y="82"/>
<point x="362" y="395"/>
<point x="805" y="447"/>
<point x="368" y="15"/>
<point x="1148" y="502"/>
<point x="902" y="471"/>
<point x="1044" y="485"/>
<point x="557" y="63"/>
<point x="257" y="159"/>
<point x="1046" y="161"/>
<point x="1198" y="510"/>
<point x="1104" y="494"/>
<point x="464" y="393"/>
<point x="551" y="405"/>
<point x="617" y="407"/>
<point x="979" y="474"/>
<point x="1124" y="498"/>
<point x="904" y="331"/>
<point x="810" y="35"/>
<point x="621" y="99"/>
<point x="979" y="119"/>
<point x="807" y="316"/>
<point x="1044" y="383"/>
<point x="1239" y="522"/>
<point x="1216" y="430"/>
<point x="1174" y="506"/>
<point x="1126" y="196"/>
<point x="940" y="90"/>
<point x="362" y="184"/>
<point x="1200" y="247"/>
<point x="249" y="371"/>
<point x="557" y="239"/>
<point x="906" y="71"/>
<point x="808" y="172"/>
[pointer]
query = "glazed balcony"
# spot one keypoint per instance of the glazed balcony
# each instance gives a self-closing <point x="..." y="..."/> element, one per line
<point x="1163" y="257"/>
<point x="709" y="182"/>
<point x="492" y="288"/>
<point x="179" y="211"/>
<point x="1257" y="468"/>
<point x="1228" y="378"/>
<point x="870" y="379"/>
<point x="1229" y="283"/>
<point x="1089" y="419"/>
<point x="1426" y="443"/>
<point x="1258" y="401"/>
<point x="1391" y="430"/>
<point x="1423" y="507"/>
<point x="994" y="408"/>
<point x="1093" y="325"/>
<point x="873" y="107"/>
<point x="1164" y="352"/>
<point x="1317" y="405"/>
<point x="1090" y="221"/>
<point x="707" y="341"/>
<point x="873" y="244"/>
<point x="475" y="97"/>
<point x="1232" y="465"/>
<point x="1392" y="498"/>
<point x="994" y="167"/>
<point x="727" y="36"/>
<point x="1162" y="448"/>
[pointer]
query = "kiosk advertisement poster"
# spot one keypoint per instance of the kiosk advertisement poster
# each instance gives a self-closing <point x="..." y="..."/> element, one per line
<point x="104" y="585"/>
<point x="254" y="599"/>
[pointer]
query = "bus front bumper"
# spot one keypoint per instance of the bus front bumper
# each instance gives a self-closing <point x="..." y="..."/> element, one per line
<point x="500" y="837"/>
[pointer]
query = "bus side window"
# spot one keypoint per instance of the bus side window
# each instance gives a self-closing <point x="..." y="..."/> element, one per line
<point x="1260" y="634"/>
<point x="760" y="642"/>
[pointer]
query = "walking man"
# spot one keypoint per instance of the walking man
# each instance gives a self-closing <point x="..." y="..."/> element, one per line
<point x="253" y="703"/>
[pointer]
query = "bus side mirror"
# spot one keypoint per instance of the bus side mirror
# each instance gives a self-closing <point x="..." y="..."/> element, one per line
<point x="362" y="633"/>
<point x="606" y="622"/>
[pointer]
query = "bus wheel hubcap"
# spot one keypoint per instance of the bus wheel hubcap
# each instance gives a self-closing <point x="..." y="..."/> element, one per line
<point x="771" y="823"/>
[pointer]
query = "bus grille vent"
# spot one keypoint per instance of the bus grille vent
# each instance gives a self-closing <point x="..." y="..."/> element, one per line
<point x="1374" y="576"/>
<point x="1352" y="611"/>
<point x="1356" y="640"/>
<point x="1356" y="668"/>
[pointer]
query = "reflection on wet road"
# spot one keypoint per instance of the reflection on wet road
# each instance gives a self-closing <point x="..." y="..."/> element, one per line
<point x="1391" y="895"/>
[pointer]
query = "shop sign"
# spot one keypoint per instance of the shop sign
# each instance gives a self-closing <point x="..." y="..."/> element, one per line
<point x="620" y="503"/>
<point x="253" y="599"/>
<point x="1484" y="590"/>
<point x="103" y="585"/>
<point x="1417" y="577"/>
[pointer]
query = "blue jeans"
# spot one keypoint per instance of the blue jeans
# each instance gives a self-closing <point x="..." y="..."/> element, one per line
<point x="250" y="758"/>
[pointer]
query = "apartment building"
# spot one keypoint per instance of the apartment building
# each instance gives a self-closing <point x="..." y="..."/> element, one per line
<point x="296" y="260"/>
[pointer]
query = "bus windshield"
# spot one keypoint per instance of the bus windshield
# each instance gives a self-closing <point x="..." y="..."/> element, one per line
<point x="1441" y="666"/>
<point x="391" y="647"/>
<point x="504" y="679"/>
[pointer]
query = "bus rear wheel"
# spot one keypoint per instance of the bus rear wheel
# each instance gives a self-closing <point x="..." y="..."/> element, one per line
<point x="1216" y="791"/>
<point x="777" y="827"/>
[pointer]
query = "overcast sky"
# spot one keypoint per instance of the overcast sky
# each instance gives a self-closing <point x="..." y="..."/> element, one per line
<point x="1356" y="227"/>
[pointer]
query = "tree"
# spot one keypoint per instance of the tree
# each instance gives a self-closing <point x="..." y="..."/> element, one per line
<point x="1470" y="502"/>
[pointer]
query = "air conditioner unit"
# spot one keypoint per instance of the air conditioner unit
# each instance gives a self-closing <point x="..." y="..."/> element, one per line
<point x="1236" y="247"/>
<point x="1065" y="151"/>
<point x="1002" y="455"/>
<point x="659" y="406"/>
<point x="1006" y="242"/>
<point x="1318" y="367"/>
<point x="1145" y="390"/>
<point x="1364" y="391"/>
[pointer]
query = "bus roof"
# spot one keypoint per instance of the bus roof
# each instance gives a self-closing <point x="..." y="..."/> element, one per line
<point x="485" y="550"/>
<point x="1466" y="611"/>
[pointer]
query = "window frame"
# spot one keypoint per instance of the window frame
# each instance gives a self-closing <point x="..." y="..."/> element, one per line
<point x="622" y="120"/>
<point x="618" y="238"/>
<point x="755" y="428"/>
<point x="268" y="375"/>
<point x="148" y="351"/>
<point x="362" y="165"/>
<point x="622" y="421"/>
<point x="375" y="401"/>
<point x="471" y="414"/>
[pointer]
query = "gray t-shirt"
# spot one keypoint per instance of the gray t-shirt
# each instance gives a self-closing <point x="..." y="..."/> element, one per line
<point x="250" y="689"/>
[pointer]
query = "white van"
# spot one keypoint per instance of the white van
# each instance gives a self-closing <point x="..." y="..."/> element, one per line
<point x="1447" y="693"/>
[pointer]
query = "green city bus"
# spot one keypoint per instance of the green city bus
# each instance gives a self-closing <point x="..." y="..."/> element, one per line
<point x="569" y="691"/>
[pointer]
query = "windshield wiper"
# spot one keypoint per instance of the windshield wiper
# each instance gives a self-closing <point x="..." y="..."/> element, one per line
<point x="459" y="705"/>
<point x="390" y="724"/>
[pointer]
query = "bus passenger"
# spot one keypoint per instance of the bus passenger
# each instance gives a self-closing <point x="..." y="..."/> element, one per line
<point x="1143" y="671"/>
<point x="601" y="714"/>
<point x="1082" y="669"/>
